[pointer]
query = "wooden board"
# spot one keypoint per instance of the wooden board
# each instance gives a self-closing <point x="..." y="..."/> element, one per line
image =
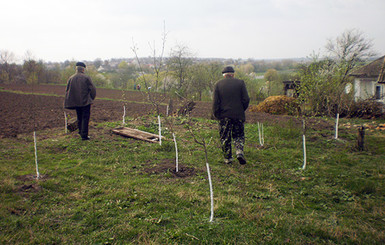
<point x="137" y="134"/>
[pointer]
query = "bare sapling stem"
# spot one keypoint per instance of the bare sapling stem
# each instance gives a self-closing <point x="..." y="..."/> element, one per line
<point x="160" y="131"/>
<point x="337" y="120"/>
<point x="176" y="154"/>
<point x="158" y="66"/>
<point x="304" y="145"/>
<point x="203" y="144"/>
<point x="37" y="167"/>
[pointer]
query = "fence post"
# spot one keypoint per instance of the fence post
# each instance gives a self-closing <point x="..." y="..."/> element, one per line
<point x="361" y="138"/>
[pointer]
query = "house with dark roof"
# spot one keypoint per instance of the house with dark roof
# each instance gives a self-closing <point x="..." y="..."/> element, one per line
<point x="369" y="81"/>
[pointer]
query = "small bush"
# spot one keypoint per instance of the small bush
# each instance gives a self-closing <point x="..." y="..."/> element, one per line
<point x="366" y="109"/>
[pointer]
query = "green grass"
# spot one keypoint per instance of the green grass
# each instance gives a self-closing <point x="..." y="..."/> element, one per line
<point x="101" y="192"/>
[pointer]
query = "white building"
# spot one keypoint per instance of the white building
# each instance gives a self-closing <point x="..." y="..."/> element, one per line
<point x="369" y="81"/>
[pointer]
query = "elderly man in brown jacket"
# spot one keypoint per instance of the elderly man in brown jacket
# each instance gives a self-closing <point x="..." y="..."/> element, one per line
<point x="229" y="105"/>
<point x="80" y="94"/>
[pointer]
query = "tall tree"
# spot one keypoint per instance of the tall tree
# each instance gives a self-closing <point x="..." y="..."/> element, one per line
<point x="271" y="77"/>
<point x="349" y="49"/>
<point x="199" y="79"/>
<point x="178" y="64"/>
<point x="6" y="58"/>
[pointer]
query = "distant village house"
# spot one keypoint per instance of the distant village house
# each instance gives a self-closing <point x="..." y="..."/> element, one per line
<point x="369" y="81"/>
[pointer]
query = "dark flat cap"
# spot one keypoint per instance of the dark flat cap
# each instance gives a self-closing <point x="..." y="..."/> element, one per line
<point x="228" y="69"/>
<point x="81" y="64"/>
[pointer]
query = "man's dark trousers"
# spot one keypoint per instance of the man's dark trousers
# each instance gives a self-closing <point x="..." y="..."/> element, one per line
<point x="83" y="113"/>
<point x="231" y="128"/>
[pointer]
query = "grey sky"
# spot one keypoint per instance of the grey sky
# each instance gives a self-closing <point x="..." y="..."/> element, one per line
<point x="59" y="30"/>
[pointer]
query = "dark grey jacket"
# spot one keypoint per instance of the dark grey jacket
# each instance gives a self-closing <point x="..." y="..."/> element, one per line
<point x="230" y="99"/>
<point x="80" y="91"/>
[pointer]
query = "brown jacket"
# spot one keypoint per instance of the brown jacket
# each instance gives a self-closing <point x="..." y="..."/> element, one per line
<point x="230" y="99"/>
<point x="80" y="91"/>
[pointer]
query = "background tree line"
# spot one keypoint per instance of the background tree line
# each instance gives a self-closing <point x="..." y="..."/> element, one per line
<point x="180" y="73"/>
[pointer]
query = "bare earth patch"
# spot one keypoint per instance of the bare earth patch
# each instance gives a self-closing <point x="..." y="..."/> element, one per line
<point x="168" y="166"/>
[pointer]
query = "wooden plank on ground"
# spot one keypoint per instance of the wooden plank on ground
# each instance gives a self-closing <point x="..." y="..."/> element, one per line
<point x="137" y="134"/>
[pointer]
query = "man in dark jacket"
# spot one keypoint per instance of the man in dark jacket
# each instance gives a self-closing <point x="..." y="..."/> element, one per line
<point x="80" y="94"/>
<point x="229" y="105"/>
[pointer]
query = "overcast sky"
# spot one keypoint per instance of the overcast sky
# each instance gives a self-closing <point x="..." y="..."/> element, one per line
<point x="59" y="30"/>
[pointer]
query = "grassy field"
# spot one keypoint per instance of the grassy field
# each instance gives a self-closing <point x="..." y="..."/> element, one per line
<point x="115" y="190"/>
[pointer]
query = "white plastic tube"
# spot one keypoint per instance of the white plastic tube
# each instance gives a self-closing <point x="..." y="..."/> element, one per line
<point x="37" y="167"/>
<point x="176" y="154"/>
<point x="160" y="131"/>
<point x="124" y="115"/>
<point x="66" y="122"/>
<point x="263" y="136"/>
<point x="211" y="193"/>
<point x="304" y="151"/>
<point x="259" y="133"/>
<point x="337" y="121"/>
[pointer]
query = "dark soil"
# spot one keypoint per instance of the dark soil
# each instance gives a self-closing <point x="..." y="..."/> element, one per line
<point x="23" y="113"/>
<point x="30" y="183"/>
<point x="168" y="166"/>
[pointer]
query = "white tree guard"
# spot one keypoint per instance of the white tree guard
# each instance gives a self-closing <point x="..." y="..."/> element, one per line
<point x="337" y="121"/>
<point x="124" y="116"/>
<point x="176" y="154"/>
<point x="211" y="193"/>
<point x="37" y="167"/>
<point x="261" y="134"/>
<point x="160" y="131"/>
<point x="304" y="151"/>
<point x="304" y="144"/>
<point x="65" y="122"/>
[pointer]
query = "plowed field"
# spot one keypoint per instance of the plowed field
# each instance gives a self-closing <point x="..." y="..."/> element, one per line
<point x="25" y="108"/>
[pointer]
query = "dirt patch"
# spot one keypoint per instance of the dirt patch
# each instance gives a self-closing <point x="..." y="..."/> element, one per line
<point x="24" y="113"/>
<point x="30" y="187"/>
<point x="168" y="166"/>
<point x="31" y="177"/>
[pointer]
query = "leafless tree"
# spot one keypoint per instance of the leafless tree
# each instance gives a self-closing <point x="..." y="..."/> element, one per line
<point x="6" y="57"/>
<point x="179" y="63"/>
<point x="6" y="60"/>
<point x="157" y="66"/>
<point x="349" y="49"/>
